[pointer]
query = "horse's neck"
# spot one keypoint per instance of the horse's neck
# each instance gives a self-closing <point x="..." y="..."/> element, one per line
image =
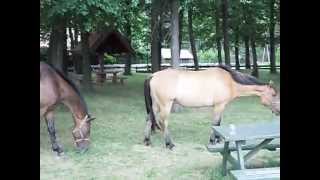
<point x="73" y="101"/>
<point x="249" y="90"/>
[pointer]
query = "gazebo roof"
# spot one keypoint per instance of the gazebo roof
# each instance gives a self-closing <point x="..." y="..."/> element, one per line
<point x="108" y="41"/>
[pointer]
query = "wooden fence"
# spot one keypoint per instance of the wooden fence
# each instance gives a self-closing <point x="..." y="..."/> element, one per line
<point x="145" y="68"/>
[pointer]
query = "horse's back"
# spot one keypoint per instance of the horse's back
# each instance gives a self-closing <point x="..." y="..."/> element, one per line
<point x="194" y="88"/>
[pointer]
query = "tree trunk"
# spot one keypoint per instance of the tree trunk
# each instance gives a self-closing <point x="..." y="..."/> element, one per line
<point x="76" y="60"/>
<point x="160" y="39"/>
<point x="155" y="12"/>
<point x="218" y="34"/>
<point x="236" y="50"/>
<point x="247" y="49"/>
<point x="180" y="27"/>
<point x="272" y="43"/>
<point x="127" y="69"/>
<point x="65" y="53"/>
<point x="225" y="27"/>
<point x="254" y="57"/>
<point x="175" y="52"/>
<point x="71" y="36"/>
<point x="86" y="66"/>
<point x="191" y="37"/>
<point x="57" y="45"/>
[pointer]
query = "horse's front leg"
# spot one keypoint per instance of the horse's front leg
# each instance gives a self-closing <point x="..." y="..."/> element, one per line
<point x="52" y="132"/>
<point x="217" y="116"/>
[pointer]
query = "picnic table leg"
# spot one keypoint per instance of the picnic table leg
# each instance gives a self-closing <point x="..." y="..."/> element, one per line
<point x="226" y="153"/>
<point x="256" y="149"/>
<point x="114" y="78"/>
<point x="240" y="154"/>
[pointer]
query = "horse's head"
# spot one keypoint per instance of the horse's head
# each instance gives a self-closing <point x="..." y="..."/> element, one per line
<point x="270" y="97"/>
<point x="81" y="133"/>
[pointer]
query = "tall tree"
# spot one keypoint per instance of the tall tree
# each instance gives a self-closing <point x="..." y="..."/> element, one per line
<point x="191" y="37"/>
<point x="56" y="45"/>
<point x="175" y="51"/>
<point x="65" y="61"/>
<point x="218" y="29"/>
<point x="181" y="15"/>
<point x="254" y="56"/>
<point x="236" y="51"/>
<point x="225" y="27"/>
<point x="272" y="39"/>
<point x="128" y="59"/>
<point x="155" y="53"/>
<point x="86" y="67"/>
<point x="247" y="52"/>
<point x="236" y="26"/>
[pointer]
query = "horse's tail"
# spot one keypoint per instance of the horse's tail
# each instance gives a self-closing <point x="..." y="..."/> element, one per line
<point x="148" y="102"/>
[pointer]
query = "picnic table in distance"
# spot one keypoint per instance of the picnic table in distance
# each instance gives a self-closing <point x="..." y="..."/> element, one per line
<point x="102" y="76"/>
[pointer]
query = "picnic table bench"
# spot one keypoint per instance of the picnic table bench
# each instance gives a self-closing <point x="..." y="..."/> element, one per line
<point x="252" y="137"/>
<point x="261" y="173"/>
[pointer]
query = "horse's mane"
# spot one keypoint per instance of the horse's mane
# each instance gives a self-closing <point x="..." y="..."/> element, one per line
<point x="72" y="85"/>
<point x="241" y="78"/>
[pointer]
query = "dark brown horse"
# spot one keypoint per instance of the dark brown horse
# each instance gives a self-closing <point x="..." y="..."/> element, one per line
<point x="214" y="87"/>
<point x="55" y="89"/>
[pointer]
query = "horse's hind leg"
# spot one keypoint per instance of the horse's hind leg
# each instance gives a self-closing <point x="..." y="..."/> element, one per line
<point x="52" y="132"/>
<point x="164" y="112"/>
<point x="147" y="130"/>
<point x="217" y="115"/>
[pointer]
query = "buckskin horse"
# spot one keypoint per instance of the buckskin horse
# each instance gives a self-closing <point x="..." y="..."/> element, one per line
<point x="215" y="87"/>
<point x="55" y="89"/>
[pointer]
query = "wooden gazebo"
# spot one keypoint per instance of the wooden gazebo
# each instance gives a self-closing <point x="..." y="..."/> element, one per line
<point x="107" y="41"/>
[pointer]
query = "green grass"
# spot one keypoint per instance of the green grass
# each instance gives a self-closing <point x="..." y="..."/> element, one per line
<point x="117" y="151"/>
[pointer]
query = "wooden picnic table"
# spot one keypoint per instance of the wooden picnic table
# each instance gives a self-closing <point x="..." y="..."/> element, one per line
<point x="102" y="76"/>
<point x="114" y="73"/>
<point x="253" y="137"/>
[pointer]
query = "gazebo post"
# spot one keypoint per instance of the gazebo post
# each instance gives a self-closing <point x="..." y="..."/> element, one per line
<point x="101" y="62"/>
<point x="101" y="75"/>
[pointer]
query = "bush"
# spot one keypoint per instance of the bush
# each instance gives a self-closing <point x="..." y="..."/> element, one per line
<point x="108" y="59"/>
<point x="208" y="56"/>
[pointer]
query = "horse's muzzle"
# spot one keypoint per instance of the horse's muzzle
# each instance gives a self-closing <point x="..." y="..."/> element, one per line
<point x="82" y="150"/>
<point x="82" y="147"/>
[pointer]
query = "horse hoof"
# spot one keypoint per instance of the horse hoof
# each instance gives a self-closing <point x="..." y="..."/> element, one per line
<point x="147" y="142"/>
<point x="170" y="146"/>
<point x="60" y="154"/>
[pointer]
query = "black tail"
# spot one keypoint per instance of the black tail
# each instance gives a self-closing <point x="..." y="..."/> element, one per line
<point x="148" y="102"/>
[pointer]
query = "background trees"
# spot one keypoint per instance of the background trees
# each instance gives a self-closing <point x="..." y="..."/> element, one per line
<point x="246" y="28"/>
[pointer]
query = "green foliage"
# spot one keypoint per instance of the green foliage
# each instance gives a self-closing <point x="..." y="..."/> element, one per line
<point x="208" y="56"/>
<point x="108" y="59"/>
<point x="246" y="17"/>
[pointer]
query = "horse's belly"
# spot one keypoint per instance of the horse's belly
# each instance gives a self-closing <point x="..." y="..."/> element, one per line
<point x="193" y="97"/>
<point x="201" y="94"/>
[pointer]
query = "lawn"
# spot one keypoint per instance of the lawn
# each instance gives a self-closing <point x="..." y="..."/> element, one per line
<point x="117" y="151"/>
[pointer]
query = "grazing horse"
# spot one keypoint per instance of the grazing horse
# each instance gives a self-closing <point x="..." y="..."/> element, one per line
<point x="214" y="87"/>
<point x="55" y="88"/>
